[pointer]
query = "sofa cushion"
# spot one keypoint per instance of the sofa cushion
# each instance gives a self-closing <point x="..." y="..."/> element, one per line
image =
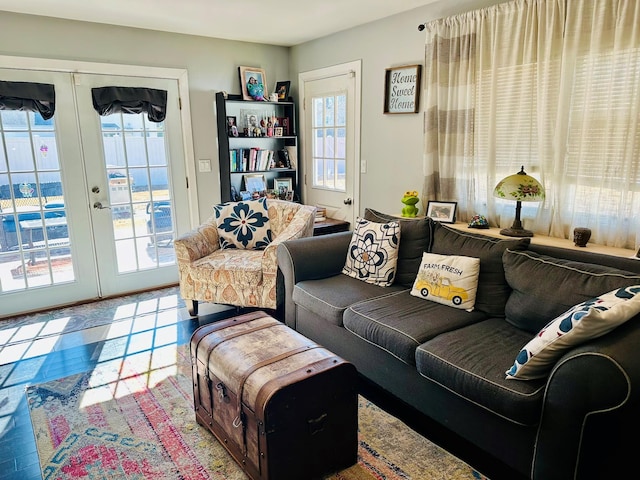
<point x="330" y="297"/>
<point x="588" y="320"/>
<point x="448" y="279"/>
<point x="373" y="252"/>
<point x="468" y="361"/>
<point x="493" y="289"/>
<point x="416" y="235"/>
<point x="544" y="287"/>
<point x="398" y="323"/>
<point x="243" y="225"/>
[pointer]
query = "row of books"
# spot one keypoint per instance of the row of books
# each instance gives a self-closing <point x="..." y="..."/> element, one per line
<point x="251" y="159"/>
<point x="321" y="214"/>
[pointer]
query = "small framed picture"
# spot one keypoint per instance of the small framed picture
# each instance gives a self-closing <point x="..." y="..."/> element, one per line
<point x="255" y="183"/>
<point x="283" y="184"/>
<point x="289" y="196"/>
<point x="282" y="89"/>
<point x="253" y="83"/>
<point x="232" y="126"/>
<point x="277" y="132"/>
<point x="444" y="212"/>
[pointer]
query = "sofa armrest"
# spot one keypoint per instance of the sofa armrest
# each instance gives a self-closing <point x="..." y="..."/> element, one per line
<point x="592" y="399"/>
<point x="310" y="258"/>
<point x="197" y="243"/>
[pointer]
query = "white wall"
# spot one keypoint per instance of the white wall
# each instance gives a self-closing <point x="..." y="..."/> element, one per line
<point x="391" y="144"/>
<point x="212" y="65"/>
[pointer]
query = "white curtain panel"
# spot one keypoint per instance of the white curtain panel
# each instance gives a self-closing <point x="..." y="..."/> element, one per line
<point x="551" y="85"/>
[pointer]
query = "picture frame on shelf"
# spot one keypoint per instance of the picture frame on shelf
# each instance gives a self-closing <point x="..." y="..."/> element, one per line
<point x="444" y="212"/>
<point x="255" y="182"/>
<point x="282" y="159"/>
<point x="402" y="89"/>
<point x="232" y="126"/>
<point x="253" y="83"/>
<point x="277" y="132"/>
<point x="289" y="196"/>
<point x="282" y="89"/>
<point x="283" y="184"/>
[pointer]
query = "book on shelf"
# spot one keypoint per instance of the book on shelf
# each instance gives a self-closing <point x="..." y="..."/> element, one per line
<point x="321" y="214"/>
<point x="251" y="159"/>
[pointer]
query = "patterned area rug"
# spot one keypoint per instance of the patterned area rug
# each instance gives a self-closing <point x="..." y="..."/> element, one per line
<point x="133" y="419"/>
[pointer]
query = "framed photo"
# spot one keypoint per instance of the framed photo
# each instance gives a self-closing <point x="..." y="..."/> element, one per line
<point x="232" y="126"/>
<point x="282" y="89"/>
<point x="444" y="212"/>
<point x="277" y="132"/>
<point x="402" y="89"/>
<point x="289" y="196"/>
<point x="253" y="83"/>
<point x="255" y="183"/>
<point x="283" y="183"/>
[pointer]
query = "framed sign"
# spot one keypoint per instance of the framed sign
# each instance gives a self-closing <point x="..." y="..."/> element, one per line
<point x="402" y="89"/>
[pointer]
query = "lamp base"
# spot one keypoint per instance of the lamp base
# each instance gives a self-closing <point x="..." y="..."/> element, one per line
<point x="516" y="232"/>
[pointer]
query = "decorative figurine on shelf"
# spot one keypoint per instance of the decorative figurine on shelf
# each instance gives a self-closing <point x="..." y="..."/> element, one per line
<point x="256" y="89"/>
<point x="410" y="199"/>
<point x="581" y="236"/>
<point x="479" y="221"/>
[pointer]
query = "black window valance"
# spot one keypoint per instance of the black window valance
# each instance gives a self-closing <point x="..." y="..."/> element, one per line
<point x="108" y="100"/>
<point x="28" y="97"/>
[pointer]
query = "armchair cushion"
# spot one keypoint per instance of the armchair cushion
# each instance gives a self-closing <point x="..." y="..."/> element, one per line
<point x="243" y="225"/>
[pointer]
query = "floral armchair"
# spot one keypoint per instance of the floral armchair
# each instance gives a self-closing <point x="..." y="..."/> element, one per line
<point x="232" y="276"/>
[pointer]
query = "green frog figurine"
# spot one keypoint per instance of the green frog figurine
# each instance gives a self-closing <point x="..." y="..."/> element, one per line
<point x="410" y="199"/>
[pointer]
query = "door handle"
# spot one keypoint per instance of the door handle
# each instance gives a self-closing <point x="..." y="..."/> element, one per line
<point x="99" y="206"/>
<point x="347" y="201"/>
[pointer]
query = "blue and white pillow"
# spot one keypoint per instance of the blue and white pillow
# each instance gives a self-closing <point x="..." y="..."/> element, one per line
<point x="373" y="252"/>
<point x="243" y="225"/>
<point x="585" y="321"/>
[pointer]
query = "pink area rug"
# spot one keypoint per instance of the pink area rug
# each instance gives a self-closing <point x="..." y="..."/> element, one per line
<point x="133" y="418"/>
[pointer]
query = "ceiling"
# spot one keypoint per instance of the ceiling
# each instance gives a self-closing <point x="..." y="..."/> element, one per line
<point x="282" y="22"/>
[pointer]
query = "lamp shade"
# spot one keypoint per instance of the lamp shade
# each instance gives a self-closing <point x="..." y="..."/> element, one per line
<point x="519" y="187"/>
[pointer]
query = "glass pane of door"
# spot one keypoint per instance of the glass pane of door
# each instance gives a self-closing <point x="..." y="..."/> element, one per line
<point x="35" y="248"/>
<point x="138" y="177"/>
<point x="329" y="136"/>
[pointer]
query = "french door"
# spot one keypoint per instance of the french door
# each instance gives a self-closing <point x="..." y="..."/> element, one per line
<point x="89" y="205"/>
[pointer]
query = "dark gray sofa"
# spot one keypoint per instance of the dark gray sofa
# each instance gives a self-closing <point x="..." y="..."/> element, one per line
<point x="449" y="364"/>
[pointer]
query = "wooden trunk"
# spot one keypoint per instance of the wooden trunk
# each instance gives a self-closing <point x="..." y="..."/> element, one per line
<point x="284" y="407"/>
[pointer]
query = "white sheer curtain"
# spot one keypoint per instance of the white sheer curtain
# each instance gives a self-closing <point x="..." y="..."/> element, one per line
<point x="553" y="85"/>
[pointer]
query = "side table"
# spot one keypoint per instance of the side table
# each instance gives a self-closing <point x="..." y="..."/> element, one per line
<point x="329" y="225"/>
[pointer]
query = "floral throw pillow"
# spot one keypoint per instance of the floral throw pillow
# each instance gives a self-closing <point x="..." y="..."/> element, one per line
<point x="243" y="225"/>
<point x="582" y="322"/>
<point x="373" y="252"/>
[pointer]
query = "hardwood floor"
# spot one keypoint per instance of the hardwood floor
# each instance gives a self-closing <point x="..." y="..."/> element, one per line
<point x="35" y="353"/>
